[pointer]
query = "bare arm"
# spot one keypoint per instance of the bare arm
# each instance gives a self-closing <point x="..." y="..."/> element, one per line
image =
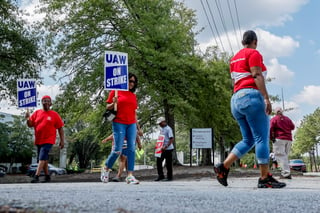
<point x="29" y="122"/>
<point x="259" y="80"/>
<point x="170" y="142"/>
<point x="61" y="135"/>
<point x="109" y="138"/>
<point x="111" y="105"/>
<point x="139" y="142"/>
<point x="140" y="132"/>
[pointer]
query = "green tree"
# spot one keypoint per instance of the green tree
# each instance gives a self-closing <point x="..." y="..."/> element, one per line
<point x="19" y="51"/>
<point x="19" y="144"/>
<point x="307" y="137"/>
<point x="156" y="34"/>
<point x="159" y="37"/>
<point x="4" y="138"/>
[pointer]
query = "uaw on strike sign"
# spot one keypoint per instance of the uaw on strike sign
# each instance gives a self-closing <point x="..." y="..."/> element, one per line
<point x="27" y="93"/>
<point x="116" y="71"/>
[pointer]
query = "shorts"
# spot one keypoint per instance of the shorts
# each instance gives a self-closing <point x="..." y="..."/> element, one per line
<point x="43" y="151"/>
<point x="124" y="152"/>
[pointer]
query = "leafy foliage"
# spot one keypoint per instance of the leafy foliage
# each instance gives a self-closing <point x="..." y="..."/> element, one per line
<point x="16" y="142"/>
<point x="308" y="134"/>
<point x="174" y="80"/>
<point x="19" y="52"/>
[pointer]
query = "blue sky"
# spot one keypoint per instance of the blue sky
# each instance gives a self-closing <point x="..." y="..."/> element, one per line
<point x="289" y="40"/>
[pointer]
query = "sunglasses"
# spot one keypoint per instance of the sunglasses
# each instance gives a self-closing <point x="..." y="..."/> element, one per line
<point x="132" y="81"/>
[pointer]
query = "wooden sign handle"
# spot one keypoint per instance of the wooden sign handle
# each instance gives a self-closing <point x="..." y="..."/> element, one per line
<point x="115" y="105"/>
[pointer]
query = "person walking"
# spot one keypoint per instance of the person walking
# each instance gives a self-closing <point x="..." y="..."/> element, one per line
<point x="250" y="106"/>
<point x="167" y="149"/>
<point x="45" y="122"/>
<point x="123" y="157"/>
<point x="280" y="133"/>
<point x="124" y="125"/>
<point x="274" y="161"/>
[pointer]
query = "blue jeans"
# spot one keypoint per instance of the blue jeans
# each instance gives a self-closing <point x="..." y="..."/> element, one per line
<point x="120" y="132"/>
<point x="248" y="108"/>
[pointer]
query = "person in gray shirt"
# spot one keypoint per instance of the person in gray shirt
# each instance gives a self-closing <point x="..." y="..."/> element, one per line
<point x="167" y="149"/>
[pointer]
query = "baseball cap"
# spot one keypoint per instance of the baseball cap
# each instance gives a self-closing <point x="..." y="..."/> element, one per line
<point x="278" y="109"/>
<point x="46" y="96"/>
<point x="159" y="120"/>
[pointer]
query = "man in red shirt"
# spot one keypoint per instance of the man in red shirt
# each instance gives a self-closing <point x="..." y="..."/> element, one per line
<point x="45" y="123"/>
<point x="280" y="133"/>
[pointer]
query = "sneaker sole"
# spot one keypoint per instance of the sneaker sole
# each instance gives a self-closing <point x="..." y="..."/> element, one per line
<point x="132" y="183"/>
<point x="128" y="182"/>
<point x="264" y="186"/>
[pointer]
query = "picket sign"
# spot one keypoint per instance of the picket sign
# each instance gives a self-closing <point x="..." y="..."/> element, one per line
<point x="159" y="145"/>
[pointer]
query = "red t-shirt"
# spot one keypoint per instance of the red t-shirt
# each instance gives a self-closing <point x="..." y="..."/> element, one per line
<point x="126" y="108"/>
<point x="240" y="68"/>
<point x="45" y="125"/>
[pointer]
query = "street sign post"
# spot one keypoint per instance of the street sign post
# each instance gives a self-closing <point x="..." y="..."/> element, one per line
<point x="200" y="138"/>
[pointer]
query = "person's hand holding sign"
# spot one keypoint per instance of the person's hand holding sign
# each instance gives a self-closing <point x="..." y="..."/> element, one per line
<point x="27" y="116"/>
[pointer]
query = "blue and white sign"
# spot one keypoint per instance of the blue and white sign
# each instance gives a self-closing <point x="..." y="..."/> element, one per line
<point x="116" y="71"/>
<point x="27" y="93"/>
<point x="201" y="138"/>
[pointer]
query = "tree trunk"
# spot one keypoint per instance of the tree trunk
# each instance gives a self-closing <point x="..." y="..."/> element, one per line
<point x="222" y="149"/>
<point x="317" y="156"/>
<point x="206" y="157"/>
<point x="310" y="159"/>
<point x="169" y="115"/>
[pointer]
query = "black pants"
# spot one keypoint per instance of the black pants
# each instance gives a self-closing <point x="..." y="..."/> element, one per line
<point x="166" y="154"/>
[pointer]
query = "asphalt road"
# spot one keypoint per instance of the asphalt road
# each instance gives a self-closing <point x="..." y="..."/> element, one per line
<point x="302" y="194"/>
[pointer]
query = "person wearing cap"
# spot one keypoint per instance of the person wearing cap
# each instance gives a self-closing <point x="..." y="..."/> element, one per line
<point x="281" y="135"/>
<point x="250" y="106"/>
<point x="167" y="149"/>
<point x="45" y="122"/>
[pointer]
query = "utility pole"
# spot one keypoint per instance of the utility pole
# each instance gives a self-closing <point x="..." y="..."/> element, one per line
<point x="282" y="99"/>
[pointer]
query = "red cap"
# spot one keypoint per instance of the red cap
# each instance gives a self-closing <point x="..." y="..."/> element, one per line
<point x="46" y="96"/>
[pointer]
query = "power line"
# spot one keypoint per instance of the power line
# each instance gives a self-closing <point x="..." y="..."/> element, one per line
<point x="215" y="26"/>
<point x="205" y="12"/>
<point x="234" y="28"/>
<point x="218" y="4"/>
<point x="236" y="8"/>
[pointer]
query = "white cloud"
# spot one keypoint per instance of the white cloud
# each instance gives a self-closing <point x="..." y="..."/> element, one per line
<point x="51" y="90"/>
<point x="272" y="46"/>
<point x="251" y="14"/>
<point x="268" y="12"/>
<point x="309" y="95"/>
<point x="312" y="42"/>
<point x="280" y="74"/>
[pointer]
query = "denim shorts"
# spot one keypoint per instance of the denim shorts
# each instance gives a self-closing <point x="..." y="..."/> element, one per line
<point x="43" y="151"/>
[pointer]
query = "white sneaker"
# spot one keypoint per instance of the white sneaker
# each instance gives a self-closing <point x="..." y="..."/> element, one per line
<point x="104" y="176"/>
<point x="132" y="180"/>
